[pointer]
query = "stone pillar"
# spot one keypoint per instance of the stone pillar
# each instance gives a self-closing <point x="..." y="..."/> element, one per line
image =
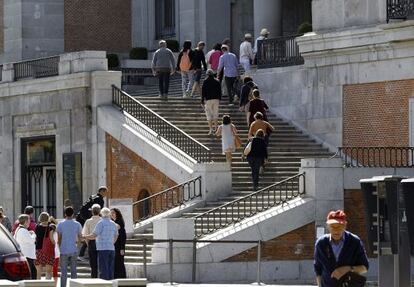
<point x="7" y="73"/>
<point x="216" y="180"/>
<point x="173" y="228"/>
<point x="268" y="14"/>
<point x="325" y="183"/>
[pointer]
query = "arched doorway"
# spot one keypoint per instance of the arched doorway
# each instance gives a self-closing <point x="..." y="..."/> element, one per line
<point x="143" y="209"/>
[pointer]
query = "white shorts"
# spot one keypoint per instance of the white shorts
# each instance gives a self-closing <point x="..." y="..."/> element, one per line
<point x="212" y="109"/>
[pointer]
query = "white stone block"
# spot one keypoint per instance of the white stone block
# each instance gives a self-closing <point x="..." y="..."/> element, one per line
<point x="89" y="283"/>
<point x="130" y="282"/>
<point x="7" y="283"/>
<point x="37" y="283"/>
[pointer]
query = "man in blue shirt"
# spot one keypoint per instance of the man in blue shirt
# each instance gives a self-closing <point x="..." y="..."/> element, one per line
<point x="69" y="235"/>
<point x="338" y="252"/>
<point x="106" y="233"/>
<point x="228" y="62"/>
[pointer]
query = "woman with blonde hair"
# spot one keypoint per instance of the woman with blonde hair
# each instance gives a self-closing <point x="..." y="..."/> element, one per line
<point x="45" y="254"/>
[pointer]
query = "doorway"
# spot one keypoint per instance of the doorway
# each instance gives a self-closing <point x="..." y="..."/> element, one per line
<point x="38" y="170"/>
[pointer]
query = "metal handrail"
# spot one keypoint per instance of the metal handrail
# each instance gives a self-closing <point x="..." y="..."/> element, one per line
<point x="278" y="52"/>
<point x="290" y="186"/>
<point x="37" y="68"/>
<point x="354" y="156"/>
<point x="399" y="9"/>
<point x="194" y="242"/>
<point x="170" y="198"/>
<point x="161" y="126"/>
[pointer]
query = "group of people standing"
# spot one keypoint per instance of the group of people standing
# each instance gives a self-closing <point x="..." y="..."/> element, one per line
<point x="49" y="244"/>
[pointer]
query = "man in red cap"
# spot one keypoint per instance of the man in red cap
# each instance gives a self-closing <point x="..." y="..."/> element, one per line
<point x="338" y="252"/>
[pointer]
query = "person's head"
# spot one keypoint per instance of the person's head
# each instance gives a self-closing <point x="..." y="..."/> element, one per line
<point x="217" y="47"/>
<point x="210" y="73"/>
<point x="258" y="116"/>
<point x="227" y="42"/>
<point x="53" y="220"/>
<point x="96" y="209"/>
<point x="224" y="48"/>
<point x="264" y="32"/>
<point x="247" y="79"/>
<point x="69" y="211"/>
<point x="24" y="220"/>
<point x="67" y="202"/>
<point x="260" y="133"/>
<point x="29" y="210"/>
<point x="117" y="216"/>
<point x="201" y="45"/>
<point x="102" y="190"/>
<point x="336" y="222"/>
<point x="44" y="217"/>
<point x="105" y="212"/>
<point x="187" y="45"/>
<point x="162" y="44"/>
<point x="256" y="94"/>
<point x="226" y="120"/>
<point x="248" y="37"/>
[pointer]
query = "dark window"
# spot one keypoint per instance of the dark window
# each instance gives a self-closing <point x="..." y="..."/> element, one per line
<point x="165" y="18"/>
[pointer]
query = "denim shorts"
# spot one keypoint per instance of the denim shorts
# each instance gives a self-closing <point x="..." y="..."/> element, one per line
<point x="197" y="76"/>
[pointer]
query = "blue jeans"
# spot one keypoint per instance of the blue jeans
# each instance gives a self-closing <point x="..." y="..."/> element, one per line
<point x="65" y="260"/>
<point x="106" y="264"/>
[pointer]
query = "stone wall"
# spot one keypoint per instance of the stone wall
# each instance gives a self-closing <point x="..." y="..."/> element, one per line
<point x="128" y="175"/>
<point x="98" y="25"/>
<point x="377" y="114"/>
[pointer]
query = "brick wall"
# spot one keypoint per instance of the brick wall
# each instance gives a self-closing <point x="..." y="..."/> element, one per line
<point x="98" y="25"/>
<point x="128" y="175"/>
<point x="376" y="114"/>
<point x="295" y="245"/>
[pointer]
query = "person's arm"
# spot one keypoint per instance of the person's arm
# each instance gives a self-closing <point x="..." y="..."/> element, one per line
<point x="218" y="132"/>
<point x="154" y="60"/>
<point x="250" y="132"/>
<point x="221" y="64"/>
<point x="250" y="51"/>
<point x="115" y="233"/>
<point x="203" y="92"/>
<point x="341" y="271"/>
<point x="51" y="238"/>
<point x="172" y="62"/>
<point x="178" y="61"/>
<point x="317" y="265"/>
<point x="270" y="127"/>
<point x="203" y="60"/>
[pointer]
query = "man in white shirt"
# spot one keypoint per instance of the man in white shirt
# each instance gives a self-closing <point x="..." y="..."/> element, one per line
<point x="27" y="242"/>
<point x="264" y="34"/>
<point x="246" y="52"/>
<point x="88" y="228"/>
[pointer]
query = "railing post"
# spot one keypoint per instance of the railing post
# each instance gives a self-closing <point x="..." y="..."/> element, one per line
<point x="170" y="250"/>
<point x="144" y="246"/>
<point x="194" y="270"/>
<point x="259" y="262"/>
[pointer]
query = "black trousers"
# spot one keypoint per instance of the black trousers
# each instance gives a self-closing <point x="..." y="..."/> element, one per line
<point x="32" y="267"/>
<point x="255" y="164"/>
<point x="93" y="258"/>
<point x="163" y="82"/>
<point x="119" y="271"/>
<point x="230" y="87"/>
<point x="83" y="249"/>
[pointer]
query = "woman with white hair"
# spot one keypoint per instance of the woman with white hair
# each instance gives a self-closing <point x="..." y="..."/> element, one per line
<point x="106" y="234"/>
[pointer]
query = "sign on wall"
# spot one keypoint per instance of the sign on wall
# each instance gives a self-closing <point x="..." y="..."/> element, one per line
<point x="72" y="180"/>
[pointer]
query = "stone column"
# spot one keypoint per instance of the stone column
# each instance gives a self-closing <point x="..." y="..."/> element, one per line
<point x="268" y="14"/>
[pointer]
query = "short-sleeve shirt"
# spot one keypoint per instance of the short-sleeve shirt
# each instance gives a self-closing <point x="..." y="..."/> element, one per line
<point x="106" y="231"/>
<point x="69" y="229"/>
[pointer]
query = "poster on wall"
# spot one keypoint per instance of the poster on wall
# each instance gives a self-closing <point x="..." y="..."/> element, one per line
<point x="72" y="180"/>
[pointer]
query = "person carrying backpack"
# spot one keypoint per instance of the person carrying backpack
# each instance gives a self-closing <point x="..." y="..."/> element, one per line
<point x="246" y="95"/>
<point x="185" y="67"/>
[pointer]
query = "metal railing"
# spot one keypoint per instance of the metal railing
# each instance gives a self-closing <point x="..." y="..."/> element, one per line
<point x="249" y="205"/>
<point x="194" y="242"/>
<point x="39" y="68"/>
<point x="377" y="156"/>
<point x="161" y="126"/>
<point x="278" y="52"/>
<point x="168" y="199"/>
<point x="134" y="76"/>
<point x="400" y="9"/>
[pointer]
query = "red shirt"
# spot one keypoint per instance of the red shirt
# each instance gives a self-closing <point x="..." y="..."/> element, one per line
<point x="214" y="60"/>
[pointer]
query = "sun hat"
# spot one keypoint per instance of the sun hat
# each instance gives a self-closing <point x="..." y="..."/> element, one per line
<point x="248" y="36"/>
<point x="264" y="32"/>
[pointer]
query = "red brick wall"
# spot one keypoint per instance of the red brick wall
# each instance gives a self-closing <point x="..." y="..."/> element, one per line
<point x="128" y="174"/>
<point x="98" y="25"/>
<point x="295" y="245"/>
<point x="376" y="114"/>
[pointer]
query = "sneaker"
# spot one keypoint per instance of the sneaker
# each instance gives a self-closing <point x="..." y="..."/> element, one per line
<point x="231" y="104"/>
<point x="82" y="259"/>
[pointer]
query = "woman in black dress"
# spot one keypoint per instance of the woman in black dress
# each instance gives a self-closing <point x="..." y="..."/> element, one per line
<point x="257" y="156"/>
<point x="120" y="271"/>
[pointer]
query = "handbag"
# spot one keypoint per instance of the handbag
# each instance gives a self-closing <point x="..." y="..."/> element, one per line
<point x="48" y="248"/>
<point x="237" y="142"/>
<point x="247" y="149"/>
<point x="352" y="279"/>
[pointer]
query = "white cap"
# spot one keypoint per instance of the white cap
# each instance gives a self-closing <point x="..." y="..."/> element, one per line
<point x="264" y="32"/>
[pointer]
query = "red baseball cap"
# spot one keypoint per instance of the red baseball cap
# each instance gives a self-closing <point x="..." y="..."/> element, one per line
<point x="338" y="216"/>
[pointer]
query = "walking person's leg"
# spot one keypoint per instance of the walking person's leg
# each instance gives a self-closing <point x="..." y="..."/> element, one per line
<point x="257" y="162"/>
<point x="111" y="264"/>
<point x="190" y="82"/>
<point x="184" y="76"/>
<point x="73" y="265"/>
<point x="93" y="259"/>
<point x="32" y="267"/>
<point x="160" y="76"/>
<point x="228" y="157"/>
<point x="166" y="84"/>
<point x="63" y="269"/>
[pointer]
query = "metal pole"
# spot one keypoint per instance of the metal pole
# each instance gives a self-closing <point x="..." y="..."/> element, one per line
<point x="193" y="278"/>
<point x="259" y="261"/>
<point x="145" y="257"/>
<point x="170" y="249"/>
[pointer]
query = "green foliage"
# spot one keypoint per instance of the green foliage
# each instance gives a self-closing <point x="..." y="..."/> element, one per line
<point x="113" y="61"/>
<point x="305" y="27"/>
<point x="138" y="53"/>
<point x="173" y="45"/>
